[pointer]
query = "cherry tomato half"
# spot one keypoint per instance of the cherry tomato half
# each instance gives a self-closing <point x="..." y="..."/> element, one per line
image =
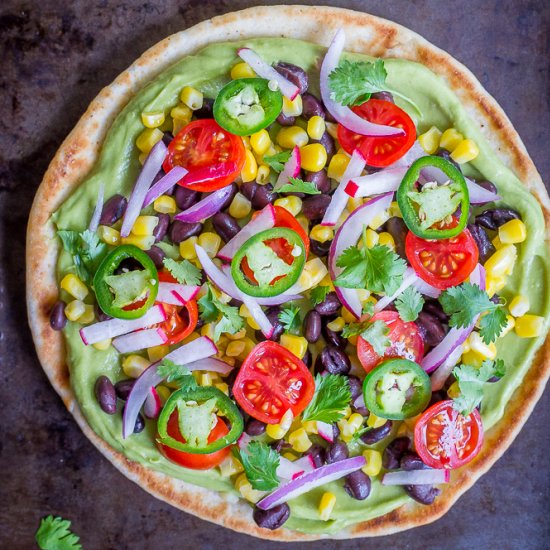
<point x="445" y="262"/>
<point x="445" y="439"/>
<point x="272" y="380"/>
<point x="190" y="460"/>
<point x="379" y="151"/>
<point x="405" y="337"/>
<point x="213" y="156"/>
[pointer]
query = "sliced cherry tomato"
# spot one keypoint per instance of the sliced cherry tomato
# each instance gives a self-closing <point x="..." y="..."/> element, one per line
<point x="405" y="337"/>
<point x="379" y="151"/>
<point x="445" y="439"/>
<point x="195" y="461"/>
<point x="445" y="262"/>
<point x="272" y="380"/>
<point x="213" y="156"/>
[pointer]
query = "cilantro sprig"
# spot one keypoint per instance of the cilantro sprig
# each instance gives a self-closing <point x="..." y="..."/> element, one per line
<point x="225" y="317"/>
<point x="318" y="295"/>
<point x="298" y="185"/>
<point x="291" y="319"/>
<point x="184" y="272"/>
<point x="277" y="162"/>
<point x="178" y="374"/>
<point x="374" y="332"/>
<point x="86" y="251"/>
<point x="332" y="395"/>
<point x="260" y="463"/>
<point x="54" y="533"/>
<point x="409" y="304"/>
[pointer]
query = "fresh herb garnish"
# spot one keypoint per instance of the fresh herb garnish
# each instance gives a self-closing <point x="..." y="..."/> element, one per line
<point x="177" y="374"/>
<point x="332" y="395"/>
<point x="277" y="161"/>
<point x="298" y="185"/>
<point x="290" y="319"/>
<point x="184" y="272"/>
<point x="225" y="317"/>
<point x="260" y="463"/>
<point x="352" y="83"/>
<point x="374" y="332"/>
<point x="318" y="295"/>
<point x="55" y="534"/>
<point x="86" y="250"/>
<point x="409" y="304"/>
<point x="471" y="381"/>
<point x="465" y="302"/>
<point x="368" y="308"/>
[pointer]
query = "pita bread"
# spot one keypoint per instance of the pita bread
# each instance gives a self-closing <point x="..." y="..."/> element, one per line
<point x="365" y="33"/>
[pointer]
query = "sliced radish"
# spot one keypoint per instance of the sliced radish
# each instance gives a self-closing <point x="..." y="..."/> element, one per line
<point x="287" y="469"/>
<point x="244" y="441"/>
<point x="94" y="222"/>
<point x="140" y="339"/>
<point x="198" y="349"/>
<point x="152" y="406"/>
<point x="324" y="429"/>
<point x="424" y="288"/>
<point x="291" y="169"/>
<point x="206" y="207"/>
<point x="306" y="463"/>
<point x="375" y="184"/>
<point x="164" y="184"/>
<point x="417" y="477"/>
<point x="176" y="294"/>
<point x="408" y="279"/>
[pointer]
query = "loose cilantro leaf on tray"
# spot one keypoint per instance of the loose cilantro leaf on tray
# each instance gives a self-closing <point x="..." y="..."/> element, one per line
<point x="55" y="534"/>
<point x="374" y="332"/>
<point x="179" y="374"/>
<point x="298" y="185"/>
<point x="290" y="319"/>
<point x="409" y="304"/>
<point x="318" y="295"/>
<point x="86" y="250"/>
<point x="332" y="395"/>
<point x="184" y="272"/>
<point x="277" y="161"/>
<point x="260" y="463"/>
<point x="225" y="317"/>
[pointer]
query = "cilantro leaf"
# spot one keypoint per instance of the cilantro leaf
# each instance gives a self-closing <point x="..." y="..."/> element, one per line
<point x="265" y="263"/>
<point x="374" y="332"/>
<point x="260" y="463"/>
<point x="277" y="161"/>
<point x="196" y="421"/>
<point x="318" y="295"/>
<point x="368" y="308"/>
<point x="471" y="381"/>
<point x="184" y="272"/>
<point x="86" y="250"/>
<point x="332" y="395"/>
<point x="465" y="302"/>
<point x="178" y="374"/>
<point x="290" y="319"/>
<point x="435" y="203"/>
<point x="298" y="185"/>
<point x="225" y="317"/>
<point x="128" y="286"/>
<point x="55" y="534"/>
<point x="409" y="304"/>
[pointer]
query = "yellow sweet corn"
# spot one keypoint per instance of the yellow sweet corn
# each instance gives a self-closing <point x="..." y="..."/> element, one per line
<point x="164" y="393"/>
<point x="88" y="315"/>
<point x="310" y="426"/>
<point x="472" y="358"/>
<point x="346" y="432"/>
<point x="74" y="286"/>
<point x="374" y="462"/>
<point x="235" y="348"/>
<point x="510" y="324"/>
<point x="374" y="421"/>
<point x="103" y="344"/>
<point x="108" y="235"/>
<point x="355" y="421"/>
<point x="453" y="391"/>
<point x="363" y="294"/>
<point x="326" y="505"/>
<point x="211" y="242"/>
<point x="187" y="248"/>
<point x="494" y="284"/>
<point x="512" y="232"/>
<point x="295" y="344"/>
<point x="299" y="440"/>
<point x="145" y="225"/>
<point x="372" y="238"/>
<point x="208" y="330"/>
<point x="394" y="211"/>
<point x="206" y="379"/>
<point x="165" y="204"/>
<point x="529" y="326"/>
<point x="519" y="305"/>
<point x="247" y="492"/>
<point x="262" y="176"/>
<point x="316" y="127"/>
<point x="292" y="136"/>
<point x="487" y="351"/>
<point x="502" y="261"/>
<point x="313" y="157"/>
<point x="429" y="141"/>
<point x="347" y="315"/>
<point x="293" y="107"/>
<point x="465" y="151"/>
<point x="337" y="166"/>
<point x="278" y="431"/>
<point x="242" y="70"/>
<point x="222" y="386"/>
<point x="354" y="203"/>
<point x="181" y="117"/>
<point x="153" y="119"/>
<point x="379" y="220"/>
<point x="321" y="233"/>
<point x="148" y="139"/>
<point x="230" y="466"/>
<point x="313" y="273"/>
<point x="450" y="139"/>
<point x="386" y="239"/>
<point x="250" y="167"/>
<point x="337" y="325"/>
<point x="133" y="365"/>
<point x="238" y="335"/>
<point x="191" y="97"/>
<point x="497" y="243"/>
<point x="260" y="142"/>
<point x="156" y="353"/>
<point x="144" y="242"/>
<point x="332" y="129"/>
<point x="291" y="203"/>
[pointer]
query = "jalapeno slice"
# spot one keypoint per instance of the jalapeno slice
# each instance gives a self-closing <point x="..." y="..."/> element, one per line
<point x="197" y="410"/>
<point x="247" y="105"/>
<point x="397" y="389"/>
<point x="130" y="294"/>
<point x="269" y="263"/>
<point x="425" y="212"/>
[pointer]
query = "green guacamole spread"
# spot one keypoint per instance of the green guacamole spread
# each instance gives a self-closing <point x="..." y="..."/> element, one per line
<point x="118" y="167"/>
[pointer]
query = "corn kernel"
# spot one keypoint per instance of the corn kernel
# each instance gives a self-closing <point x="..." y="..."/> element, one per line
<point x="292" y="136"/>
<point x="429" y="141"/>
<point x="529" y="326"/>
<point x="379" y="220"/>
<point x="465" y="151"/>
<point x="164" y="393"/>
<point x="326" y="505"/>
<point x="295" y="344"/>
<point x="223" y="387"/>
<point x="299" y="440"/>
<point x="165" y="205"/>
<point x="371" y="237"/>
<point x="182" y="112"/>
<point x="512" y="232"/>
<point x="275" y="431"/>
<point x="88" y="316"/>
<point x="336" y="325"/>
<point x="374" y="462"/>
<point x="313" y="157"/>
<point x="450" y="139"/>
<point x="519" y="305"/>
<point x="454" y="390"/>
<point x="145" y="225"/>
<point x="355" y="421"/>
<point x="242" y="70"/>
<point x="250" y="167"/>
<point x="235" y="348"/>
<point x="291" y="203"/>
<point x="262" y="176"/>
<point x="487" y="351"/>
<point x="187" y="248"/>
<point x="494" y="284"/>
<point x="337" y="166"/>
<point x="292" y="107"/>
<point x="142" y="158"/>
<point x="191" y="97"/>
<point x="386" y="239"/>
<point x="347" y="315"/>
<point x="148" y="139"/>
<point x="332" y="129"/>
<point x="208" y="330"/>
<point x="363" y="294"/>
<point x="206" y="379"/>
<point x="472" y="358"/>
<point x="260" y="142"/>
<point x="103" y="344"/>
<point x="354" y="203"/>
<point x="497" y="243"/>
<point x="74" y="286"/>
<point x="156" y="353"/>
<point x="510" y="324"/>
<point x="211" y="242"/>
<point x="402" y="430"/>
<point x="134" y="365"/>
<point x="310" y="426"/>
<point x="153" y="119"/>
<point x="252" y="323"/>
<point x="321" y="233"/>
<point x="230" y="466"/>
<point x="374" y="421"/>
<point x="238" y="335"/>
<point x="313" y="273"/>
<point x="316" y="127"/>
<point x="502" y="261"/>
<point x="394" y="211"/>
<point x="144" y="242"/>
<point x="108" y="235"/>
<point x="347" y="412"/>
<point x="247" y="492"/>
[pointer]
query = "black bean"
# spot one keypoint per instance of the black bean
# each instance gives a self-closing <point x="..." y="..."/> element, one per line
<point x="273" y="518"/>
<point x="335" y="432"/>
<point x="273" y="315"/>
<point x="319" y="179"/>
<point x="286" y="120"/>
<point x="124" y="387"/>
<point x="332" y="337"/>
<point x="489" y="185"/>
<point x="430" y="328"/>
<point x="358" y="485"/>
<point x="317" y="453"/>
<point x="311" y="106"/>
<point x="139" y="426"/>
<point x="263" y="196"/>
<point x="355" y="386"/>
<point x="437" y="396"/>
<point x="162" y="227"/>
<point x="433" y="307"/>
<point x="328" y="143"/>
<point x="113" y="210"/>
<point x="206" y="110"/>
<point x="167" y="138"/>
<point x="248" y="189"/>
<point x="493" y="218"/>
<point x="424" y="494"/>
<point x="230" y="197"/>
<point x="411" y="461"/>
<point x="394" y="451"/>
<point x="179" y="231"/>
<point x="330" y="305"/>
<point x="279" y="445"/>
<point x="314" y="207"/>
<point x="58" y="320"/>
<point x="398" y="230"/>
<point x="307" y="358"/>
<point x="254" y="427"/>
<point x="443" y="153"/>
<point x="377" y="434"/>
<point x="157" y="255"/>
<point x="336" y="452"/>
<point x="484" y="245"/>
<point x="105" y="395"/>
<point x="320" y="249"/>
<point x="386" y="96"/>
<point x="312" y="326"/>
<point x="295" y="74"/>
<point x="335" y="360"/>
<point x="100" y="314"/>
<point x="185" y="198"/>
<point x="225" y="225"/>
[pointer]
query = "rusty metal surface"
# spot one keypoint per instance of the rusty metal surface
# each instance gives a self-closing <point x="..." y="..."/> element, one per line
<point x="55" y="56"/>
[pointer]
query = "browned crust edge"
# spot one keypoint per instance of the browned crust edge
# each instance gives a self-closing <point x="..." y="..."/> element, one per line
<point x="77" y="155"/>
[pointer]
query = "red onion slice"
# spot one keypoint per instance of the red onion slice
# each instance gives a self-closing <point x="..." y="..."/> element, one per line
<point x="263" y="69"/>
<point x="291" y="169"/>
<point x="140" y="339"/>
<point x="207" y="207"/>
<point x="210" y="364"/>
<point x="417" y="477"/>
<point x="176" y="294"/>
<point x="116" y="327"/>
<point x="424" y="288"/>
<point x="94" y="222"/>
<point x="344" y="115"/>
<point x="377" y="183"/>
<point x="439" y="377"/>
<point x="164" y="184"/>
<point x="310" y="480"/>
<point x="348" y="235"/>
<point x="340" y="197"/>
<point x="264" y="220"/>
<point x="414" y="153"/>
<point x="152" y="405"/>
<point x="324" y="429"/>
<point x="153" y="163"/>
